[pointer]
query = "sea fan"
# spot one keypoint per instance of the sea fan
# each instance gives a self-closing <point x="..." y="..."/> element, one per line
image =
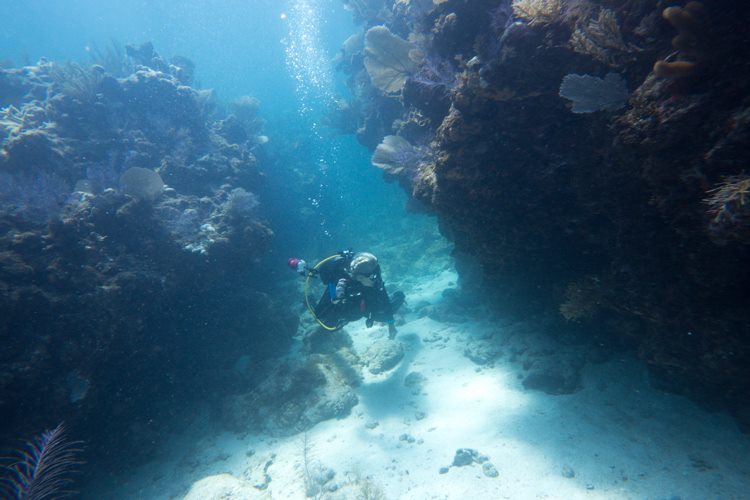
<point x="590" y="94"/>
<point x="387" y="60"/>
<point x="396" y="156"/>
<point x="435" y="74"/>
<point x="41" y="470"/>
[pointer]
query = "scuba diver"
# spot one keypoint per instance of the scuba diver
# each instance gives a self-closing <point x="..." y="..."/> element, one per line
<point x="354" y="290"/>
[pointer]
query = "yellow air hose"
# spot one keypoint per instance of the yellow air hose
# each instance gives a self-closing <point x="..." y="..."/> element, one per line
<point x="307" y="296"/>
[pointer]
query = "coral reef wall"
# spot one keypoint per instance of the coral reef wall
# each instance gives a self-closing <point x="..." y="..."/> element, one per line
<point x="130" y="222"/>
<point x="589" y="155"/>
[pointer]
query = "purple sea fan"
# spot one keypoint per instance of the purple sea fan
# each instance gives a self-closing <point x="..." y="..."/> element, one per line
<point x="241" y="203"/>
<point x="41" y="470"/>
<point x="34" y="196"/>
<point x="398" y="157"/>
<point x="435" y="74"/>
<point x="590" y="94"/>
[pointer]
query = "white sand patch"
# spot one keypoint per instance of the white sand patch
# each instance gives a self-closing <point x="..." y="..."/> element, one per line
<point x="431" y="290"/>
<point x="618" y="438"/>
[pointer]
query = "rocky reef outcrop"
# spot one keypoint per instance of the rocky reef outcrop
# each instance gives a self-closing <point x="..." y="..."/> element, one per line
<point x="589" y="155"/>
<point x="314" y="384"/>
<point x="293" y="397"/>
<point x="130" y="222"/>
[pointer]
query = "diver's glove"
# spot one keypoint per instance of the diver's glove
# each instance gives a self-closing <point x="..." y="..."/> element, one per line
<point x="341" y="289"/>
<point x="299" y="265"/>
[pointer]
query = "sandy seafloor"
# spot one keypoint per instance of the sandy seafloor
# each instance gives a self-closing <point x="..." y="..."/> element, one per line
<point x="618" y="438"/>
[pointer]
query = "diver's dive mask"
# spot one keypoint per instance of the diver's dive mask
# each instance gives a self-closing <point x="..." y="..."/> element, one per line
<point x="367" y="279"/>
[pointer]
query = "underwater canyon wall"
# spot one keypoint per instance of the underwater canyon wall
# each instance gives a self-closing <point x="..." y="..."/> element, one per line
<point x="130" y="222"/>
<point x="588" y="154"/>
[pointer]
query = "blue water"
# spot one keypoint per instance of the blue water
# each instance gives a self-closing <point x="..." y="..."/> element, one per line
<point x="237" y="46"/>
<point x="279" y="52"/>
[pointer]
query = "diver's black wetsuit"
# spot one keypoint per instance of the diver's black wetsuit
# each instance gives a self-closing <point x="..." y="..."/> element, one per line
<point x="371" y="302"/>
